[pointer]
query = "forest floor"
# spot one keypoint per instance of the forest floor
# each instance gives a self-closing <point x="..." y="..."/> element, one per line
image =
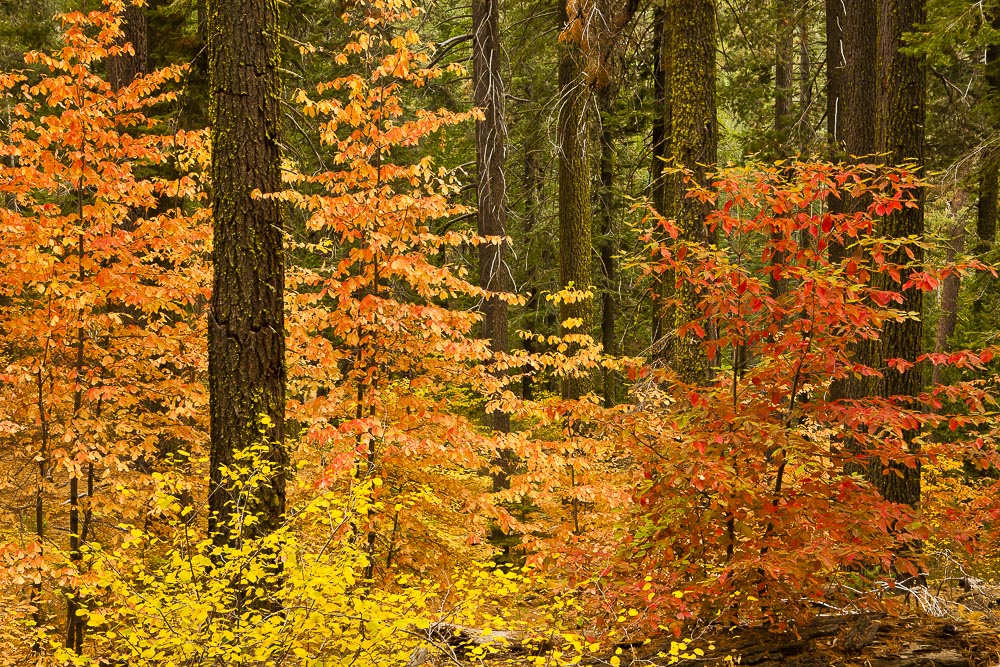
<point x="862" y="640"/>
<point x="960" y="629"/>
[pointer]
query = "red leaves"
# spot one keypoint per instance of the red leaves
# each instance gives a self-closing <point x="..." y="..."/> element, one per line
<point x="768" y="413"/>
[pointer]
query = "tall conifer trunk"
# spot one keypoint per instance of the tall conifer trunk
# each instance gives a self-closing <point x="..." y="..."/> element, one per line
<point x="693" y="145"/>
<point x="855" y="112"/>
<point x="661" y="319"/>
<point x="246" y="321"/>
<point x="607" y="246"/>
<point x="986" y="219"/>
<point x="491" y="183"/>
<point x="900" y="137"/>
<point x="834" y="74"/>
<point x="122" y="70"/>
<point x="575" y="217"/>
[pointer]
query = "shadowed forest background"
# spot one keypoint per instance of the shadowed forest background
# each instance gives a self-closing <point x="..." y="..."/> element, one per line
<point x="392" y="332"/>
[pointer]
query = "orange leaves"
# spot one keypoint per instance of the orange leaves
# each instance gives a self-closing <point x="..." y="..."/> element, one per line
<point x="101" y="283"/>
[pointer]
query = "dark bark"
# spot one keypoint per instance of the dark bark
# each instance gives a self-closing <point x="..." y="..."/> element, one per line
<point x="123" y="69"/>
<point x="693" y="146"/>
<point x="835" y="73"/>
<point x="607" y="246"/>
<point x="784" y="75"/>
<point x="246" y="322"/>
<point x="74" y="622"/>
<point x="986" y="206"/>
<point x="575" y="217"/>
<point x="661" y="152"/>
<point x="986" y="219"/>
<point x="950" y="286"/>
<point x="855" y="113"/>
<point x="533" y="143"/>
<point x="38" y="615"/>
<point x="859" y="87"/>
<point x="804" y="130"/>
<point x="491" y="184"/>
<point x="491" y="189"/>
<point x="900" y="137"/>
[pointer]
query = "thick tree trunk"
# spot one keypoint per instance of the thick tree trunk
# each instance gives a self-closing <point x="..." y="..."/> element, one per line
<point x="575" y="245"/>
<point x="491" y="184"/>
<point x="246" y="331"/>
<point x="693" y="145"/>
<point x="859" y="83"/>
<point x="855" y="113"/>
<point x="123" y="69"/>
<point x="986" y="220"/>
<point x="900" y="137"/>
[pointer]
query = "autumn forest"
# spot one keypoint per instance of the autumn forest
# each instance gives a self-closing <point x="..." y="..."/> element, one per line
<point x="386" y="333"/>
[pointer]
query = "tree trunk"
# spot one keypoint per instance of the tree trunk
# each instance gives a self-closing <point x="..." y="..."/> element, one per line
<point x="804" y="132"/>
<point x="835" y="72"/>
<point x="986" y="220"/>
<point x="533" y="181"/>
<point x="951" y="285"/>
<point x="123" y="69"/>
<point x="784" y="75"/>
<point x="855" y="111"/>
<point x="662" y="318"/>
<point x="900" y="137"/>
<point x="246" y="331"/>
<point x="693" y="145"/>
<point x="859" y="43"/>
<point x="575" y="245"/>
<point x="607" y="245"/>
<point x="491" y="184"/>
<point x="986" y="207"/>
<point x="491" y="188"/>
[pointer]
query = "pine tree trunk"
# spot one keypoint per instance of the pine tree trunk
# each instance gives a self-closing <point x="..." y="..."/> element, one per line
<point x="122" y="70"/>
<point x="860" y="52"/>
<point x="607" y="245"/>
<point x="855" y="111"/>
<point x="784" y="75"/>
<point x="986" y="206"/>
<point x="575" y="245"/>
<point x="662" y="318"/>
<point x="246" y="322"/>
<point x="835" y="73"/>
<point x="951" y="285"/>
<point x="900" y="137"/>
<point x="491" y="184"/>
<point x="693" y="145"/>
<point x="533" y="182"/>
<point x="804" y="129"/>
<point x="986" y="220"/>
